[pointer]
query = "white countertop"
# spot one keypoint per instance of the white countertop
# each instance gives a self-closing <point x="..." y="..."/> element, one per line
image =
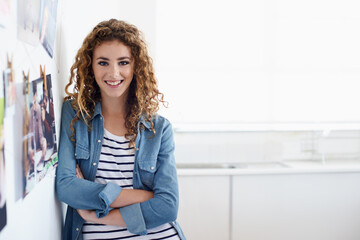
<point x="286" y="167"/>
<point x="264" y="126"/>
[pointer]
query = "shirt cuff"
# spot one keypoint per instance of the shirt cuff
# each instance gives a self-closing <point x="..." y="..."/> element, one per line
<point x="134" y="219"/>
<point x="107" y="196"/>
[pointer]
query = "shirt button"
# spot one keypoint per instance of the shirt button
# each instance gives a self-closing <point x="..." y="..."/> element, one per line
<point x="100" y="118"/>
<point x="135" y="173"/>
<point x="137" y="149"/>
<point x="94" y="164"/>
<point x="99" y="141"/>
<point x="75" y="154"/>
<point x="152" y="168"/>
<point x="77" y="229"/>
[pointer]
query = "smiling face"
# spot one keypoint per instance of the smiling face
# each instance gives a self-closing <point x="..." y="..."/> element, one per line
<point x="113" y="68"/>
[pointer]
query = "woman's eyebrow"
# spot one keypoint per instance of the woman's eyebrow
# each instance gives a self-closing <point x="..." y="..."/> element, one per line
<point x="123" y="58"/>
<point x="102" y="58"/>
<point x="120" y="58"/>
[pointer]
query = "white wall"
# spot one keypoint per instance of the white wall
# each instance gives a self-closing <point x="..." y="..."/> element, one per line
<point x="262" y="146"/>
<point x="264" y="61"/>
<point x="39" y="215"/>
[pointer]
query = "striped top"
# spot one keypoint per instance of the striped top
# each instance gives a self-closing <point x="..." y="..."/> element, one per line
<point x="116" y="165"/>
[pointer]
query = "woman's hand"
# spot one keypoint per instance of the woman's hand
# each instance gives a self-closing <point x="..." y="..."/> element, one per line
<point x="87" y="215"/>
<point x="113" y="218"/>
<point x="78" y="172"/>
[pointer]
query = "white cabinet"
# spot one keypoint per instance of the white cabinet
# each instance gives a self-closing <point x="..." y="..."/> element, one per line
<point x="204" y="211"/>
<point x="323" y="206"/>
<point x="272" y="206"/>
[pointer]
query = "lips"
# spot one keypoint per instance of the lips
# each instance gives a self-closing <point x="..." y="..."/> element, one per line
<point x="114" y="83"/>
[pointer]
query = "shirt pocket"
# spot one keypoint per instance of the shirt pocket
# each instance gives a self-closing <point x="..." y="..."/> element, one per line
<point x="147" y="170"/>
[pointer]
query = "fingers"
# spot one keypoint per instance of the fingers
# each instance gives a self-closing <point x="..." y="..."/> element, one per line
<point x="78" y="172"/>
<point x="87" y="215"/>
<point x="81" y="213"/>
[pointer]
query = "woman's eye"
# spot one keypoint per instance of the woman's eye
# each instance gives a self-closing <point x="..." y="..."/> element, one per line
<point x="124" y="62"/>
<point x="102" y="63"/>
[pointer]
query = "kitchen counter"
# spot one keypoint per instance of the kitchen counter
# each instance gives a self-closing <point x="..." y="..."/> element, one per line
<point x="270" y="200"/>
<point x="286" y="167"/>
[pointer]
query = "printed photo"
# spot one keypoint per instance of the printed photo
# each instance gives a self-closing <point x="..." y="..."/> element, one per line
<point x="2" y="186"/>
<point x="2" y="164"/>
<point x="40" y="150"/>
<point x="14" y="132"/>
<point x="28" y="23"/>
<point x="48" y="24"/>
<point x="9" y="92"/>
<point x="4" y="13"/>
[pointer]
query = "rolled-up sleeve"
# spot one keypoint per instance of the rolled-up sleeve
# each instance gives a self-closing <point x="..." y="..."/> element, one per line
<point x="134" y="219"/>
<point x="163" y="207"/>
<point x="79" y="193"/>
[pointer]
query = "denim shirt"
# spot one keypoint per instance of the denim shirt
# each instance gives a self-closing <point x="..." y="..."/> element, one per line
<point x="154" y="170"/>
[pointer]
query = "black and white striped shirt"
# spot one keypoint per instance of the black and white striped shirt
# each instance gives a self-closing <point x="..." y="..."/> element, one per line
<point x="116" y="165"/>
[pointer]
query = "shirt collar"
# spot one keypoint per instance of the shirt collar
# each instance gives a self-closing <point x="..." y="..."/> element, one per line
<point x="97" y="110"/>
<point x="146" y="124"/>
<point x="142" y="119"/>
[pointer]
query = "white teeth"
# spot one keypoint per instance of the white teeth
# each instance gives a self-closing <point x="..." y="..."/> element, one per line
<point x="114" y="83"/>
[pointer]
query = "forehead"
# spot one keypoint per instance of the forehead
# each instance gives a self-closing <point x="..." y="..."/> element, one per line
<point x="113" y="48"/>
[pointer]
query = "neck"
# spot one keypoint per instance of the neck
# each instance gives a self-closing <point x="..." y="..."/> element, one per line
<point x="114" y="113"/>
<point x="113" y="107"/>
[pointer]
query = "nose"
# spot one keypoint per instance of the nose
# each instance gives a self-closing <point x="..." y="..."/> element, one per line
<point x="115" y="71"/>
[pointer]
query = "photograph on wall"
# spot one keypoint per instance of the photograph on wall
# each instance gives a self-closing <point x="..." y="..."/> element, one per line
<point x="28" y="16"/>
<point x="48" y="24"/>
<point x="2" y="184"/>
<point x="14" y="133"/>
<point x="4" y="13"/>
<point x="9" y="92"/>
<point x="2" y="163"/>
<point x="40" y="149"/>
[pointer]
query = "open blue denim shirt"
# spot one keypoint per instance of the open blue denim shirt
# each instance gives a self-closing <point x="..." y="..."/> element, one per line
<point x="154" y="170"/>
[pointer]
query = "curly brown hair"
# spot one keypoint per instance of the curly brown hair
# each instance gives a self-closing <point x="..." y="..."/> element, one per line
<point x="144" y="97"/>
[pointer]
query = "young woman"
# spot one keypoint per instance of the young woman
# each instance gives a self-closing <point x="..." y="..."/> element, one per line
<point x="116" y="166"/>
